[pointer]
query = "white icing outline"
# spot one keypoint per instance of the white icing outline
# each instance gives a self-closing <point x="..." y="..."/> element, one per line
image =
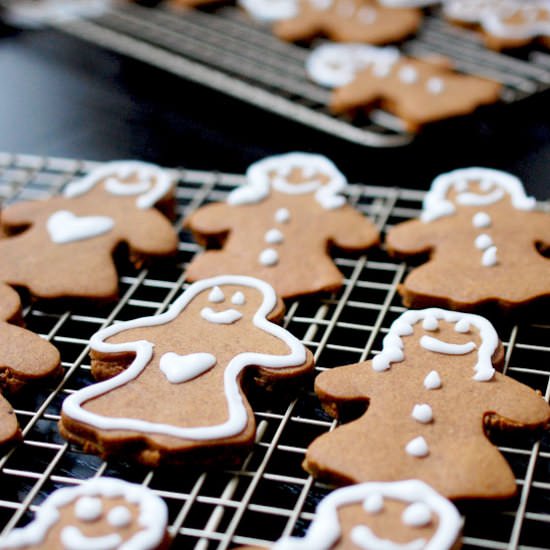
<point x="436" y="205"/>
<point x="268" y="11"/>
<point x="123" y="169"/>
<point x="392" y="345"/>
<point x="64" y="227"/>
<point x="238" y="418"/>
<point x="325" y="530"/>
<point x="259" y="182"/>
<point x="153" y="513"/>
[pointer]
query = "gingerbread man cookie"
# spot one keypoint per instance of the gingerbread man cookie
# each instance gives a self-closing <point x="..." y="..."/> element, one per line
<point x="403" y="515"/>
<point x="101" y="514"/>
<point x="417" y="91"/>
<point x="504" y="23"/>
<point x="280" y="225"/>
<point x="172" y="383"/>
<point x="485" y="242"/>
<point x="348" y="21"/>
<point x="63" y="247"/>
<point x="24" y="358"/>
<point x="431" y="394"/>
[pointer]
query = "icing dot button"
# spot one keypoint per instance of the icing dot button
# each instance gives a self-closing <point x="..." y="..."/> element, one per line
<point x="274" y="236"/>
<point x="282" y="215"/>
<point x="88" y="508"/>
<point x="408" y="74"/>
<point x="489" y="258"/>
<point x="435" y="85"/>
<point x="269" y="257"/>
<point x="432" y="381"/>
<point x="422" y="413"/>
<point x="483" y="241"/>
<point x="417" y="447"/>
<point x="481" y="219"/>
<point x="417" y="514"/>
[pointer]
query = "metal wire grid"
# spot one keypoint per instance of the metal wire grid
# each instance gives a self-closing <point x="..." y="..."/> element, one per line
<point x="222" y="49"/>
<point x="270" y="495"/>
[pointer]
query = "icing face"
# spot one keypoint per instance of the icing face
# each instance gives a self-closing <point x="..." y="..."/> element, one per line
<point x="404" y="515"/>
<point x="101" y="514"/>
<point x="224" y="305"/>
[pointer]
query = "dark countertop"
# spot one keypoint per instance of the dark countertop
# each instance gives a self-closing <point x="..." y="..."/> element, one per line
<point x="64" y="97"/>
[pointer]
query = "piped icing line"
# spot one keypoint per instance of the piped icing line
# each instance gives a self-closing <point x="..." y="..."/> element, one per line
<point x="392" y="345"/>
<point x="436" y="205"/>
<point x="365" y="539"/>
<point x="270" y="173"/>
<point x="325" y="529"/>
<point x="72" y="538"/>
<point x="124" y="169"/>
<point x="439" y="346"/>
<point x="72" y="406"/>
<point x="153" y="514"/>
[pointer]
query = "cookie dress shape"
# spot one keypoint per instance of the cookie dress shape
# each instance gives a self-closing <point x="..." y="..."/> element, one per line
<point x="101" y="514"/>
<point x="63" y="247"/>
<point x="280" y="226"/>
<point x="431" y="394"/>
<point x="172" y="384"/>
<point x="485" y="243"/>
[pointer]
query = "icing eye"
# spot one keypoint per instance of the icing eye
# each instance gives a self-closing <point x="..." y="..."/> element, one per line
<point x="462" y="326"/>
<point x="374" y="503"/>
<point x="238" y="299"/>
<point x="216" y="295"/>
<point x="88" y="509"/>
<point x="430" y="323"/>
<point x="119" y="516"/>
<point x="417" y="515"/>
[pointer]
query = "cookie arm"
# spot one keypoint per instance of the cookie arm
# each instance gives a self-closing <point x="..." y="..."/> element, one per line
<point x="350" y="230"/>
<point x="212" y="220"/>
<point x="21" y="214"/>
<point x="542" y="229"/>
<point x="410" y="238"/>
<point x="151" y="234"/>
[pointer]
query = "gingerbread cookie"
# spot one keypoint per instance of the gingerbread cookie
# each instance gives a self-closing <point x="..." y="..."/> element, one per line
<point x="406" y="515"/>
<point x="504" y="23"/>
<point x="24" y="358"/>
<point x="101" y="514"/>
<point x="485" y="242"/>
<point x="432" y="393"/>
<point x="176" y="392"/>
<point x="280" y="225"/>
<point x="417" y="91"/>
<point x="348" y="21"/>
<point x="63" y="247"/>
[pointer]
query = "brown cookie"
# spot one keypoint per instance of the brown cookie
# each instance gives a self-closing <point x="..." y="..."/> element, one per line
<point x="280" y="226"/>
<point x="24" y="358"/>
<point x="418" y="91"/>
<point x="376" y="516"/>
<point x="101" y="514"/>
<point x="484" y="240"/>
<point x="432" y="394"/>
<point x="172" y="388"/>
<point x="505" y="23"/>
<point x="63" y="247"/>
<point x="349" y="21"/>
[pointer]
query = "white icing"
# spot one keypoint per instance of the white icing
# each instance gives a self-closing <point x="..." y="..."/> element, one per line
<point x="270" y="173"/>
<point x="216" y="295"/>
<point x="481" y="220"/>
<point x="88" y="508"/>
<point x="267" y="11"/>
<point x="282" y="215"/>
<point x="440" y="346"/>
<point x="430" y="323"/>
<point x="119" y="516"/>
<point x="422" y="413"/>
<point x="274" y="236"/>
<point x="181" y="368"/>
<point x="238" y="299"/>
<point x="225" y="317"/>
<point x="435" y="85"/>
<point x="436" y="204"/>
<point x="117" y="187"/>
<point x="374" y="503"/>
<point x="64" y="227"/>
<point x="321" y="5"/>
<point x="269" y="257"/>
<point x="153" y="517"/>
<point x="483" y="241"/>
<point x="408" y="74"/>
<point x="463" y="326"/>
<point x="325" y="531"/>
<point x="392" y="345"/>
<point x="123" y="170"/>
<point x="489" y="258"/>
<point x="364" y="538"/>
<point x="417" y="447"/>
<point x="417" y="514"/>
<point x="72" y="538"/>
<point x="432" y="381"/>
<point x="143" y="350"/>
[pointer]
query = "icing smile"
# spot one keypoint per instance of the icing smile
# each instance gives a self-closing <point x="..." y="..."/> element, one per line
<point x="440" y="346"/>
<point x="225" y="317"/>
<point x="280" y="184"/>
<point x="468" y="198"/>
<point x="73" y="539"/>
<point x="363" y="537"/>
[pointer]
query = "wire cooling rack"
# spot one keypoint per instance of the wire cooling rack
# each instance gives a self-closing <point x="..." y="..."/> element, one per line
<point x="270" y="495"/>
<point x="224" y="50"/>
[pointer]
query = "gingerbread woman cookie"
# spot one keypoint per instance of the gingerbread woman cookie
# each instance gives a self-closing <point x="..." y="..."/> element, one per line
<point x="504" y="23"/>
<point x="403" y="515"/>
<point x="280" y="225"/>
<point x="431" y="394"/>
<point x="348" y="21"/>
<point x="63" y="247"/>
<point x="485" y="242"/>
<point x="417" y="91"/>
<point x="101" y="514"/>
<point x="172" y="383"/>
<point x="24" y="358"/>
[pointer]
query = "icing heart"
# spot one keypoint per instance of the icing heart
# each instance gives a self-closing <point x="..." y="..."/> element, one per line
<point x="65" y="227"/>
<point x="181" y="368"/>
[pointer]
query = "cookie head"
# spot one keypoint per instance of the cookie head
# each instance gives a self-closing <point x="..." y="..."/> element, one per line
<point x="292" y="174"/>
<point x="473" y="187"/>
